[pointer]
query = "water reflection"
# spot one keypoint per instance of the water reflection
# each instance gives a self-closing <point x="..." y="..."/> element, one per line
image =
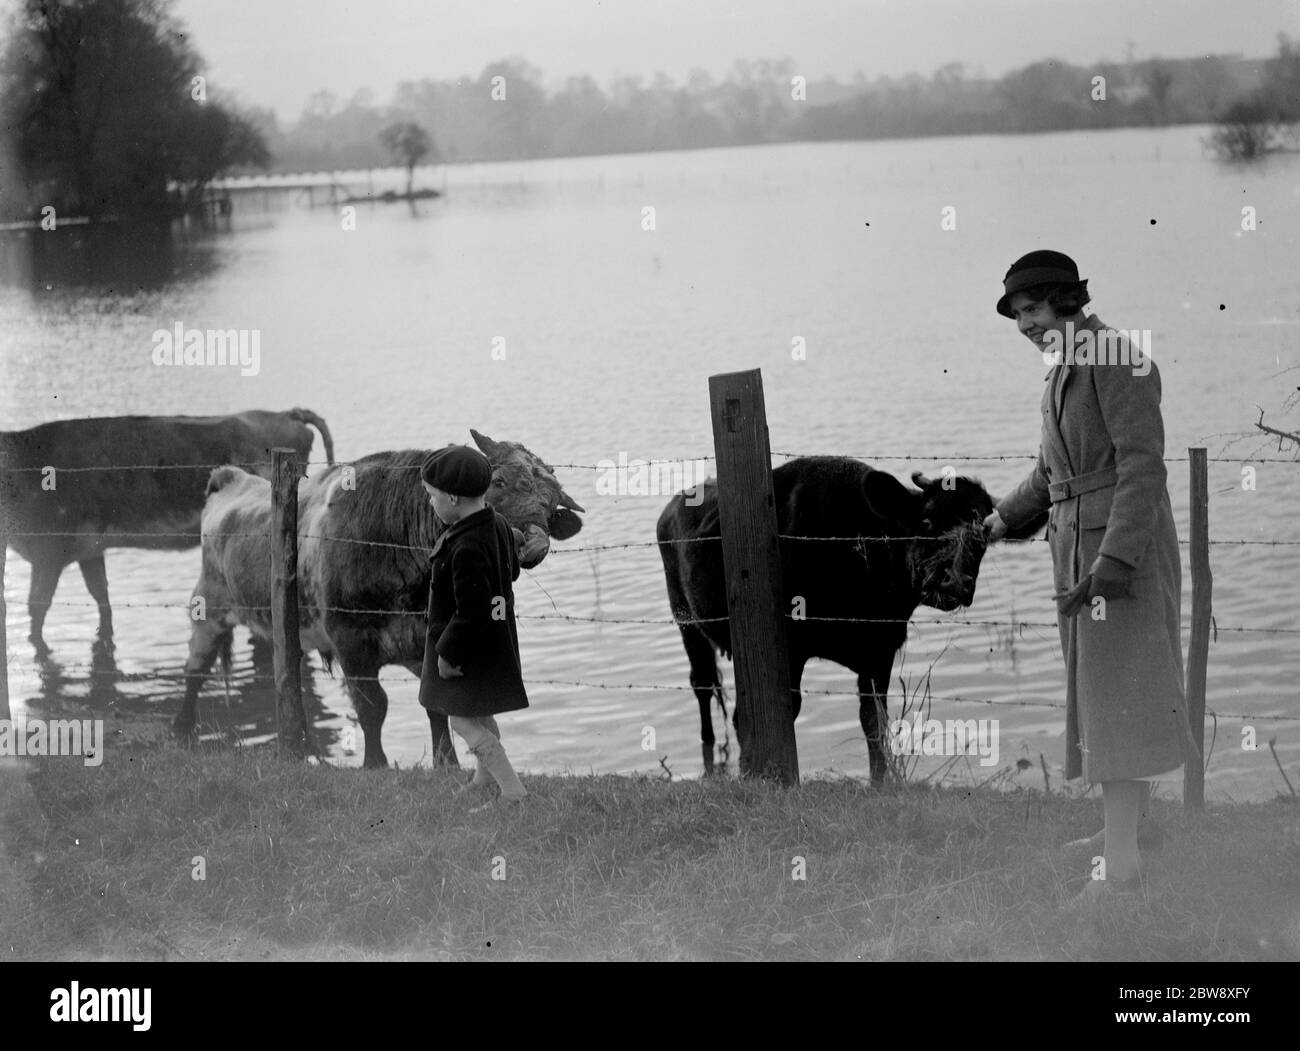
<point x="241" y="710"/>
<point x="108" y="257"/>
<point x="244" y="709"/>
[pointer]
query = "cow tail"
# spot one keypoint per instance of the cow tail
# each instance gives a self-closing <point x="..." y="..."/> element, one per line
<point x="309" y="417"/>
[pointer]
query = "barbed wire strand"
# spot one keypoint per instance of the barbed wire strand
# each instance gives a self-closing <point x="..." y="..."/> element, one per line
<point x="636" y="463"/>
<point x="1230" y="542"/>
<point x="368" y="611"/>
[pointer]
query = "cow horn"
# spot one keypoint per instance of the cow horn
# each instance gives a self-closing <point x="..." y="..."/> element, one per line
<point x="494" y="451"/>
<point x="920" y="480"/>
<point x="567" y="501"/>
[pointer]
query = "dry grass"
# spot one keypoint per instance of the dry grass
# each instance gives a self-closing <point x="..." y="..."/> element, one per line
<point x="323" y="863"/>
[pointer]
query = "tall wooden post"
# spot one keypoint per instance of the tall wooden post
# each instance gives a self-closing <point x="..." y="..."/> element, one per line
<point x="751" y="556"/>
<point x="4" y="636"/>
<point x="1198" y="649"/>
<point x="290" y="717"/>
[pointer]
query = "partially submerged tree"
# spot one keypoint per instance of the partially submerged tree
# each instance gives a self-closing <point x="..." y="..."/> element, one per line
<point x="409" y="144"/>
<point x="1267" y="119"/>
<point x="1247" y="129"/>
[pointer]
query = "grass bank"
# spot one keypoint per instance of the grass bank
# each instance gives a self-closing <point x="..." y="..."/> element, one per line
<point x="315" y="862"/>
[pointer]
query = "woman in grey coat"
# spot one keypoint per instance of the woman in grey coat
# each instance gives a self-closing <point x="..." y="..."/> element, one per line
<point x="1101" y="472"/>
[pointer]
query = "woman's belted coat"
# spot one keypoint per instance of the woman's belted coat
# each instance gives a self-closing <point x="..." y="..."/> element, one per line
<point x="1101" y="472"/>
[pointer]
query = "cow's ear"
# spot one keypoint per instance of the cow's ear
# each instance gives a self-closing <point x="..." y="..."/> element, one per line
<point x="563" y="524"/>
<point x="494" y="451"/>
<point x="888" y="499"/>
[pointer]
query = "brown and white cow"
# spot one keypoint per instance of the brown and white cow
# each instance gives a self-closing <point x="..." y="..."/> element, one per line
<point x="364" y="535"/>
<point x="71" y="489"/>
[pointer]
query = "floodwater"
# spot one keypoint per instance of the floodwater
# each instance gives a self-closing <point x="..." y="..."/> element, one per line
<point x="610" y="332"/>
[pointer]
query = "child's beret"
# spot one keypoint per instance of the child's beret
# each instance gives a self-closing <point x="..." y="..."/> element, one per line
<point x="457" y="469"/>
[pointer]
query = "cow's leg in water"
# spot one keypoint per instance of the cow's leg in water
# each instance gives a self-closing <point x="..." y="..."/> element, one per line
<point x="208" y="638"/>
<point x="45" y="579"/>
<point x="96" y="578"/>
<point x="361" y="679"/>
<point x="359" y="659"/>
<point x="706" y="685"/>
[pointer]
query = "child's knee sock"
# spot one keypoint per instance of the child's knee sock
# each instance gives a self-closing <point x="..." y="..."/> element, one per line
<point x="481" y="775"/>
<point x="492" y="757"/>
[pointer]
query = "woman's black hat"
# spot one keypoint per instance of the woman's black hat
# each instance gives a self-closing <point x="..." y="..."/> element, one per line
<point x="1043" y="267"/>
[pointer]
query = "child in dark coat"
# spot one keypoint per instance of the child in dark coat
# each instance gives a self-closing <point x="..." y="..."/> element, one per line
<point x="471" y="666"/>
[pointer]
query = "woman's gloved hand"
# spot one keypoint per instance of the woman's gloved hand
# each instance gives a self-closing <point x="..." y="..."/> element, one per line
<point x="994" y="528"/>
<point x="1108" y="578"/>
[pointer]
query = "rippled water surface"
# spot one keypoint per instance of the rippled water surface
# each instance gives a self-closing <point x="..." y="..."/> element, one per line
<point x="611" y="332"/>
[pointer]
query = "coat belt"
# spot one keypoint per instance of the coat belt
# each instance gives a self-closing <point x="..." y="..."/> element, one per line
<point x="1068" y="488"/>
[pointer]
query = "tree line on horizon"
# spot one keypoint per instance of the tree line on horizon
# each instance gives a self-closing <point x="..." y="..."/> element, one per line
<point x="755" y="103"/>
<point x="104" y="111"/>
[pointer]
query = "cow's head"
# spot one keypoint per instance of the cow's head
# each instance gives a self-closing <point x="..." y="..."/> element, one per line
<point x="946" y="518"/>
<point x="526" y="493"/>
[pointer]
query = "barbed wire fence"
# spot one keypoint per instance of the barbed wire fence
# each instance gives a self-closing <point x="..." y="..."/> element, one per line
<point x="948" y="623"/>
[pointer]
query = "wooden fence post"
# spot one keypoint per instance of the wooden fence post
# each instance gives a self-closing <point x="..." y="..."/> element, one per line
<point x="4" y="636"/>
<point x="290" y="717"/>
<point x="751" y="556"/>
<point x="1198" y="649"/>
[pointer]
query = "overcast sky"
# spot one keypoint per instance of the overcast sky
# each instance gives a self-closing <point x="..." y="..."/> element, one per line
<point x="277" y="52"/>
